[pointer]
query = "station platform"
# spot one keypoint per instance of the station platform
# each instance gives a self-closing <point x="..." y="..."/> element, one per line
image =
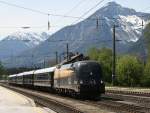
<point x="12" y="102"/>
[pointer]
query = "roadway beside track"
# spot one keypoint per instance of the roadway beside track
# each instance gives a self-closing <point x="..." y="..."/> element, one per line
<point x="12" y="102"/>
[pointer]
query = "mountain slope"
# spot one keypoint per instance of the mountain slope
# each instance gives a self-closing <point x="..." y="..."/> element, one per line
<point x="87" y="33"/>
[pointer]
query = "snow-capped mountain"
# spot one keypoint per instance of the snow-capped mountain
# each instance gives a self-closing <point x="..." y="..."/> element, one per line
<point x="31" y="39"/>
<point x="17" y="42"/>
<point x="92" y="33"/>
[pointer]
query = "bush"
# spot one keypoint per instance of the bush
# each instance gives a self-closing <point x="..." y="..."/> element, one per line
<point x="129" y="71"/>
<point x="2" y="71"/>
<point x="145" y="80"/>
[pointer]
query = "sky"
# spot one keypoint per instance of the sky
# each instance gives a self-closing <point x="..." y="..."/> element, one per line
<point x="12" y="19"/>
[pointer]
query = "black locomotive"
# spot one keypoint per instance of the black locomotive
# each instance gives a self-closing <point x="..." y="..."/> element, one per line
<point x="83" y="78"/>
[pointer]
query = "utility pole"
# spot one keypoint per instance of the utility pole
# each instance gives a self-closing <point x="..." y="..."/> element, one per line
<point x="114" y="56"/>
<point x="48" y="23"/>
<point x="56" y="57"/>
<point x="142" y="26"/>
<point x="32" y="60"/>
<point x="97" y="22"/>
<point x="44" y="63"/>
<point x="67" y="52"/>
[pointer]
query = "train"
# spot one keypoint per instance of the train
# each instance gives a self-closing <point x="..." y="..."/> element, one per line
<point x="81" y="78"/>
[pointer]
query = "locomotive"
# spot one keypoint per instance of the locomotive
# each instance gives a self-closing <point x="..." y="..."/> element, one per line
<point x="82" y="78"/>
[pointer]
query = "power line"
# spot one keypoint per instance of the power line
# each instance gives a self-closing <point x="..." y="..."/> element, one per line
<point x="46" y="13"/>
<point x="65" y="16"/>
<point x="77" y="5"/>
<point x="43" y="13"/>
<point x="37" y="11"/>
<point x="89" y="10"/>
<point x="18" y="6"/>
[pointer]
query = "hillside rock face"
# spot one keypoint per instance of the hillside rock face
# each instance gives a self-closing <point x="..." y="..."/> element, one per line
<point x="94" y="33"/>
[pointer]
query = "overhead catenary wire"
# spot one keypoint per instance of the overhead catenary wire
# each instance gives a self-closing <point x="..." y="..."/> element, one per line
<point x="18" y="6"/>
<point x="36" y="11"/>
<point x="59" y="15"/>
<point x="89" y="11"/>
<point x="44" y="13"/>
<point x="41" y="12"/>
<point x="76" y="6"/>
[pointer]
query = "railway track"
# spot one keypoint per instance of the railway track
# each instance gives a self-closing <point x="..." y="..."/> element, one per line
<point x="107" y="104"/>
<point x="140" y="100"/>
<point x="122" y="107"/>
<point x="139" y="96"/>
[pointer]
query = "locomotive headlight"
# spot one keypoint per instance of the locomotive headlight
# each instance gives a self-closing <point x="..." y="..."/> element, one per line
<point x="91" y="73"/>
<point x="81" y="82"/>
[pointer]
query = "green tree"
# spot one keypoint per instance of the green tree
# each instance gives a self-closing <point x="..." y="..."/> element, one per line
<point x="93" y="53"/>
<point x="104" y="57"/>
<point x="145" y="80"/>
<point x="129" y="71"/>
<point x="2" y="71"/>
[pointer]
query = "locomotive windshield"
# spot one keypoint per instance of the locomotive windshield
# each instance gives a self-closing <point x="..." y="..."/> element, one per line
<point x="90" y="71"/>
